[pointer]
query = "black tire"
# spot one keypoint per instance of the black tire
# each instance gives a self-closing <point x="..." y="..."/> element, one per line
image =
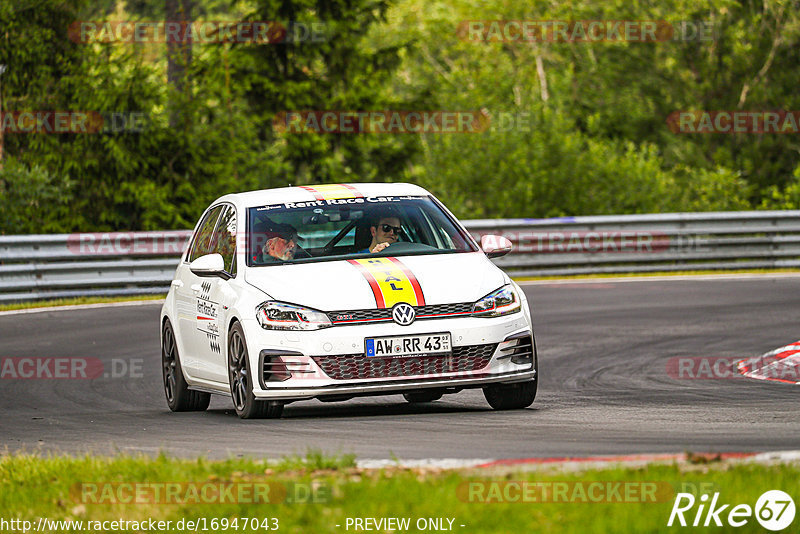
<point x="511" y="396"/>
<point x="514" y="396"/>
<point x="416" y="397"/>
<point x="179" y="397"/>
<point x="241" y="379"/>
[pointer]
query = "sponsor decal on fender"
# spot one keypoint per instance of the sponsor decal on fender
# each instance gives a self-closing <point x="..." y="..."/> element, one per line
<point x="208" y="317"/>
<point x="391" y="281"/>
<point x="333" y="191"/>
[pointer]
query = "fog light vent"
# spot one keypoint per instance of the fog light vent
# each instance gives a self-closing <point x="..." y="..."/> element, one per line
<point x="520" y="350"/>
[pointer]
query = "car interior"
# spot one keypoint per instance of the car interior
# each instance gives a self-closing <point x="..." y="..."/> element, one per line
<point x="341" y="231"/>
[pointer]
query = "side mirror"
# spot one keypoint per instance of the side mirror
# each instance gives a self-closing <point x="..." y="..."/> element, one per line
<point x="208" y="266"/>
<point x="495" y="246"/>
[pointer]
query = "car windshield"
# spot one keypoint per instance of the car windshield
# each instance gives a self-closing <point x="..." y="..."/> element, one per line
<point x="322" y="230"/>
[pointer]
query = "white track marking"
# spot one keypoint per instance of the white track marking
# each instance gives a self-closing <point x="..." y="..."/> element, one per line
<point x="84" y="306"/>
<point x="434" y="463"/>
<point x="515" y="465"/>
<point x="677" y="277"/>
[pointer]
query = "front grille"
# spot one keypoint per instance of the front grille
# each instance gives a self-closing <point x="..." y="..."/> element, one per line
<point x="434" y="311"/>
<point x="443" y="309"/>
<point x="359" y="316"/>
<point x="359" y="367"/>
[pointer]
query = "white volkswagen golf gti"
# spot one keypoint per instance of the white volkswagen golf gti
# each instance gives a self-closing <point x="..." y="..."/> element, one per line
<point x="338" y="291"/>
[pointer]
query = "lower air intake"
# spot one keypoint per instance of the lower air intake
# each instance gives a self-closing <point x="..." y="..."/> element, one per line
<point x="359" y="367"/>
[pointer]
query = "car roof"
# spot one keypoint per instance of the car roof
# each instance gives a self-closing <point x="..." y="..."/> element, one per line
<point x="321" y="192"/>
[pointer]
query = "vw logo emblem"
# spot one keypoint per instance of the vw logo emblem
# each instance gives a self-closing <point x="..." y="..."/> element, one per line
<point x="403" y="314"/>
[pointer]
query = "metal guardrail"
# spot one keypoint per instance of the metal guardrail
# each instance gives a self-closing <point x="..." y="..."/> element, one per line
<point x="35" y="267"/>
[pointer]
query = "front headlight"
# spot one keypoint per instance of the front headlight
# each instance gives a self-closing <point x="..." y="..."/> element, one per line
<point x="503" y="301"/>
<point x="274" y="315"/>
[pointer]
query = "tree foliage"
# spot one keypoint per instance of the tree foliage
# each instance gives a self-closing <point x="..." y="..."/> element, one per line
<point x="576" y="128"/>
<point x="594" y="137"/>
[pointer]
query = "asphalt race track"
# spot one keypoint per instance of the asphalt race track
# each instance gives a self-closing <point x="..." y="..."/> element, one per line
<point x="604" y="389"/>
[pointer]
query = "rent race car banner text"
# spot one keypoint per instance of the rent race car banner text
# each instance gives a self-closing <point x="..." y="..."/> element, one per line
<point x="336" y="202"/>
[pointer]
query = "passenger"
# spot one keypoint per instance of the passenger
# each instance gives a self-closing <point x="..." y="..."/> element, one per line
<point x="281" y="244"/>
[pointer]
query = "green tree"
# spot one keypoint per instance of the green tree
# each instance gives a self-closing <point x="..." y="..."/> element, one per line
<point x="343" y="70"/>
<point x="31" y="200"/>
<point x="598" y="141"/>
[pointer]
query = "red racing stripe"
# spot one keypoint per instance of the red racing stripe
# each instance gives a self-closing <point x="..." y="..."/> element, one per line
<point x="373" y="284"/>
<point x="355" y="191"/>
<point x="313" y="192"/>
<point x="412" y="279"/>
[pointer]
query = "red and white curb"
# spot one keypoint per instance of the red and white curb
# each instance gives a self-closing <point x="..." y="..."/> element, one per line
<point x="772" y="457"/>
<point x="779" y="365"/>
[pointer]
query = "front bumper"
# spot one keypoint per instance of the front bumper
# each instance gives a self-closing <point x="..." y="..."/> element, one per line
<point x="305" y="365"/>
<point x="389" y="387"/>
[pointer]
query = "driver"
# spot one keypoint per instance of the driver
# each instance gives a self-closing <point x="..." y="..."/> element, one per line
<point x="384" y="233"/>
<point x="281" y="243"/>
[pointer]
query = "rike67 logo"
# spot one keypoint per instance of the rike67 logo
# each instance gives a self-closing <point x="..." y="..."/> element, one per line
<point x="774" y="510"/>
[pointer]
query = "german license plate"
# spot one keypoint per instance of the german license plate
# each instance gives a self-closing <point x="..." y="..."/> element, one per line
<point x="408" y="346"/>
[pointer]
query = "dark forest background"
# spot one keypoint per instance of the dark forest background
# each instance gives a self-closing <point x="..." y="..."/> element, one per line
<point x="593" y="136"/>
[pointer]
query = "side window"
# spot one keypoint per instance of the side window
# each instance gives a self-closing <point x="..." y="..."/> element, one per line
<point x="203" y="239"/>
<point x="226" y="239"/>
<point x="418" y="228"/>
<point x="349" y="238"/>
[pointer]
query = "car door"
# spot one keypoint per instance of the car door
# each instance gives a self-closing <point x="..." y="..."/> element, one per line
<point x="192" y="307"/>
<point x="213" y="296"/>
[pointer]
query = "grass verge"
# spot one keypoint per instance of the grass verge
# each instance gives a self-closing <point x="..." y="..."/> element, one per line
<point x="317" y="493"/>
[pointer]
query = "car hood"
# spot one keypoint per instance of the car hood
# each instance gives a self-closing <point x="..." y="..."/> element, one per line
<point x="341" y="285"/>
